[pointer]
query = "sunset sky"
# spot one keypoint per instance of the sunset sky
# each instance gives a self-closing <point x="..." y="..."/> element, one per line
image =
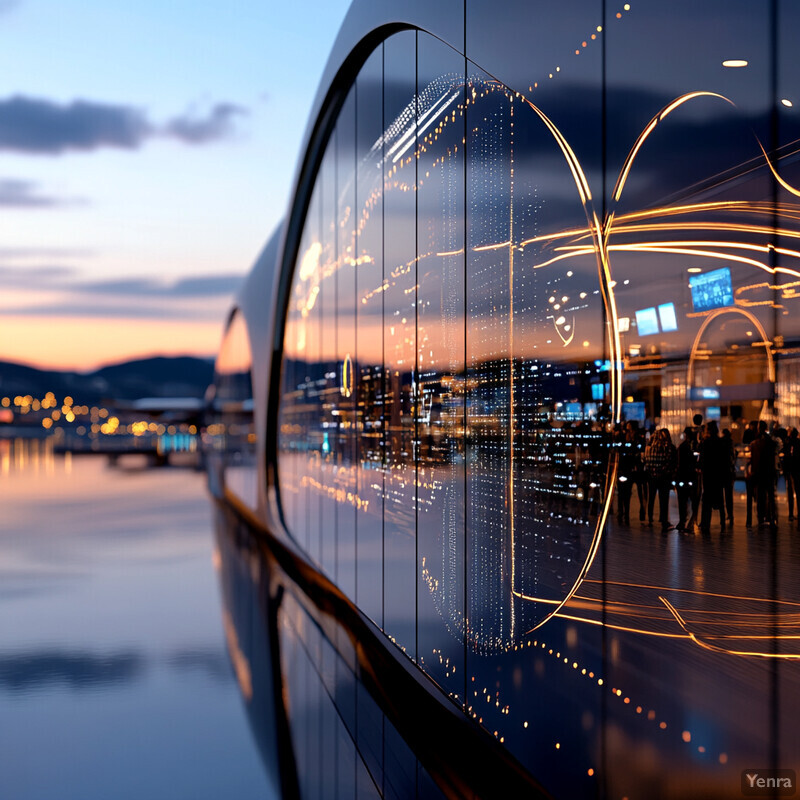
<point x="146" y="154"/>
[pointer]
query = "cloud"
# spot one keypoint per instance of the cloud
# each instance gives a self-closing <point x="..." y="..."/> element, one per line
<point x="118" y="309"/>
<point x="33" y="275"/>
<point x="15" y="193"/>
<point x="40" y="126"/>
<point x="24" y="253"/>
<point x="201" y="286"/>
<point x="202" y="297"/>
<point x="36" y="126"/>
<point x="199" y="130"/>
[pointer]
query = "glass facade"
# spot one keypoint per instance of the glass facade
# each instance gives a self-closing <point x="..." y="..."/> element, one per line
<point x="231" y="445"/>
<point x="535" y="313"/>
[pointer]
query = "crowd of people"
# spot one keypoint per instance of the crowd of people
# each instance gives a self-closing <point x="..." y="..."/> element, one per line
<point x="702" y="470"/>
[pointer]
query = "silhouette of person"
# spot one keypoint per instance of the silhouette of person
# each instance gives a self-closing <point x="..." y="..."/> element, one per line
<point x="763" y="455"/>
<point x="713" y="463"/>
<point x="686" y="480"/>
<point x="791" y="471"/>
<point x="729" y="474"/>
<point x="660" y="459"/>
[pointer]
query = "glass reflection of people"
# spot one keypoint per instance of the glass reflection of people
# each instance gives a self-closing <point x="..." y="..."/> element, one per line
<point x="750" y="433"/>
<point x="763" y="460"/>
<point x="629" y="464"/>
<point x="791" y="471"/>
<point x="686" y="483"/>
<point x="729" y="475"/>
<point x="713" y="465"/>
<point x="660" y="459"/>
<point x="639" y="475"/>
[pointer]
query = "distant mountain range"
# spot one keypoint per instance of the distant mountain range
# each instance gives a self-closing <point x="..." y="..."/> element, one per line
<point x="182" y="376"/>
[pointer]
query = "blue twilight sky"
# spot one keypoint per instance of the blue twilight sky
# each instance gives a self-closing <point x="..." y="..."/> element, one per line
<point x="146" y="153"/>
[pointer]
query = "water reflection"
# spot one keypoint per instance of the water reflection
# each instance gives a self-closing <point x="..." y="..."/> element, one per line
<point x="114" y="679"/>
<point x="30" y="671"/>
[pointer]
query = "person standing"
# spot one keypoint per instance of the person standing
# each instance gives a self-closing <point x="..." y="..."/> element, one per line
<point x="763" y="456"/>
<point x="629" y="465"/>
<point x="660" y="459"/>
<point x="729" y="475"/>
<point x="686" y="481"/>
<point x="791" y="471"/>
<point x="713" y="460"/>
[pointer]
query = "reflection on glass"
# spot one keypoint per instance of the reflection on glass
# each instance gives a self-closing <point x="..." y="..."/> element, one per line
<point x="508" y="335"/>
<point x="369" y="338"/>
<point x="400" y="342"/>
<point x="231" y="430"/>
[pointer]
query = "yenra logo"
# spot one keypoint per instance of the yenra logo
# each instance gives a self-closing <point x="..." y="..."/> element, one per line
<point x="768" y="782"/>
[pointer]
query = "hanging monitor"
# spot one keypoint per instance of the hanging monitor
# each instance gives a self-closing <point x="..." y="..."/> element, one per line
<point x="647" y="321"/>
<point x="711" y="289"/>
<point x="669" y="320"/>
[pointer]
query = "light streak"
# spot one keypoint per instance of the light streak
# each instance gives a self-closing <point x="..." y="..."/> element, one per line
<point x="707" y="321"/>
<point x="650" y="127"/>
<point x="706" y="646"/>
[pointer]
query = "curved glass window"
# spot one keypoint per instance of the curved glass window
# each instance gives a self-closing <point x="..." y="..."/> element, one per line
<point x="528" y="324"/>
<point x="231" y="431"/>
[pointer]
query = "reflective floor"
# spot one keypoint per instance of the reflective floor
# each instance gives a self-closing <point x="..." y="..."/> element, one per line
<point x="114" y="676"/>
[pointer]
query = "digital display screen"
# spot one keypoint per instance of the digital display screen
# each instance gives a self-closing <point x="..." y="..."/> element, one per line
<point x="634" y="411"/>
<point x="713" y="412"/>
<point x="647" y="321"/>
<point x="711" y="290"/>
<point x="669" y="321"/>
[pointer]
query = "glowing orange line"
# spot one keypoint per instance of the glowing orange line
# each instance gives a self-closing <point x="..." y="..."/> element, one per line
<point x="626" y="168"/>
<point x="485" y="247"/>
<point x="714" y="648"/>
<point x="613" y="627"/>
<point x="777" y="177"/>
<point x="686" y="251"/>
<point x="707" y="321"/>
<point x="631" y="156"/>
<point x="693" y="591"/>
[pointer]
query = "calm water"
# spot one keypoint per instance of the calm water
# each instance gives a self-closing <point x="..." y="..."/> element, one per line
<point x="114" y="677"/>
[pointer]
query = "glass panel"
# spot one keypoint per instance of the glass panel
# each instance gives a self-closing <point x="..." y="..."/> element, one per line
<point x="440" y="363"/>
<point x="232" y="429"/>
<point x="787" y="389"/>
<point x="689" y="218"/>
<point x="369" y="345"/>
<point x="290" y="419"/>
<point x="345" y="402"/>
<point x="313" y="385"/>
<point x="328" y="357"/>
<point x="538" y="422"/>
<point x="399" y="340"/>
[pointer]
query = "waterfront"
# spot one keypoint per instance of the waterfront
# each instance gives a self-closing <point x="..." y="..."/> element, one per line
<point x="114" y="678"/>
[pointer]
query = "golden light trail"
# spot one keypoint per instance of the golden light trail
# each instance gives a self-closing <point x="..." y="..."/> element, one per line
<point x="781" y="181"/>
<point x="348" y="378"/>
<point x="694" y="592"/>
<point x="706" y="646"/>
<point x="650" y="127"/>
<point x="721" y="312"/>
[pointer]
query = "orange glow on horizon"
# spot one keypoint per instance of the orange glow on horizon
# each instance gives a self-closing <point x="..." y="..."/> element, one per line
<point x="65" y="343"/>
